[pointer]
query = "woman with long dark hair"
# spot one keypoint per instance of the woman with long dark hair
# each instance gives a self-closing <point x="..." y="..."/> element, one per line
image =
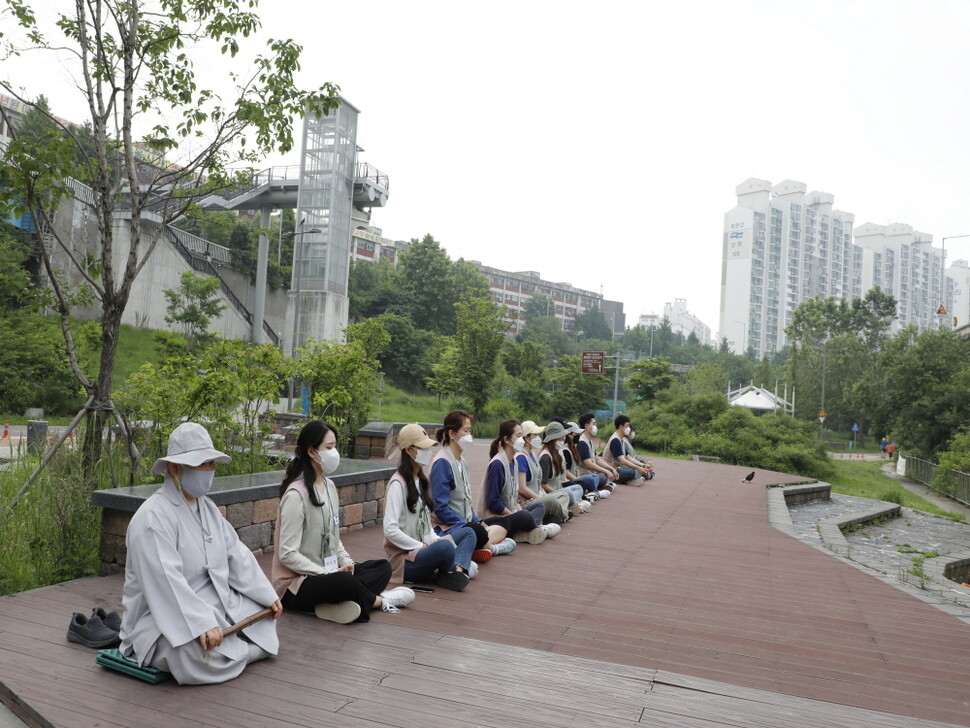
<point x="417" y="554"/>
<point x="499" y="498"/>
<point x="451" y="492"/>
<point x="312" y="572"/>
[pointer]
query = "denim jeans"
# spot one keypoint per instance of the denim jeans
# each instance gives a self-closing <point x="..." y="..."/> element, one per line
<point x="442" y="556"/>
<point x="590" y="482"/>
<point x="626" y="474"/>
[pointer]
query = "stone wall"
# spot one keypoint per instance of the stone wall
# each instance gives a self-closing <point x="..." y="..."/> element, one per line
<point x="377" y="440"/>
<point x="250" y="509"/>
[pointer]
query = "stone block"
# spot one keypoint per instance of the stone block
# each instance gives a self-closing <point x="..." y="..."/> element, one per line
<point x="222" y="510"/>
<point x="113" y="549"/>
<point x="265" y="510"/>
<point x="347" y="494"/>
<point x="380" y="508"/>
<point x="380" y="489"/>
<point x="356" y="527"/>
<point x="240" y="514"/>
<point x="370" y="491"/>
<point x="361" y="452"/>
<point x="256" y="536"/>
<point x="115" y="522"/>
<point x="370" y="510"/>
<point x="352" y="514"/>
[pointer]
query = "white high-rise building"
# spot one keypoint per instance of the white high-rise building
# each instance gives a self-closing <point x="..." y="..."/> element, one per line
<point x="782" y="245"/>
<point x="903" y="262"/>
<point x="959" y="275"/>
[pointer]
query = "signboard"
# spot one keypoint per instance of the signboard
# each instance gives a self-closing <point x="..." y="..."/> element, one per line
<point x="855" y="428"/>
<point x="821" y="417"/>
<point x="941" y="311"/>
<point x="594" y="362"/>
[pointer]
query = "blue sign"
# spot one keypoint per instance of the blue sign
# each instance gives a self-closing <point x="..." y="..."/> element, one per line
<point x="855" y="428"/>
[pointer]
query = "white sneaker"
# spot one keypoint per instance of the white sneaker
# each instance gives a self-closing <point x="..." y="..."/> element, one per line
<point x="603" y="493"/>
<point x="552" y="529"/>
<point x="399" y="596"/>
<point x="472" y="570"/>
<point x="584" y="506"/>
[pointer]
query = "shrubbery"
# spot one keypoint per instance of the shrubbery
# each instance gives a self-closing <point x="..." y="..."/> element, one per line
<point x="704" y="424"/>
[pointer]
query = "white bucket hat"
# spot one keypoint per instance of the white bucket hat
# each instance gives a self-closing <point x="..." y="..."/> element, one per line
<point x="189" y="444"/>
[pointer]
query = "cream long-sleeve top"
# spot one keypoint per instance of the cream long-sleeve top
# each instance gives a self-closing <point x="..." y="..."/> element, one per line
<point x="395" y="506"/>
<point x="292" y="559"/>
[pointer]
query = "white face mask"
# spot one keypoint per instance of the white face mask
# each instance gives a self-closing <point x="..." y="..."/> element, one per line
<point x="423" y="457"/>
<point x="594" y="429"/>
<point x="560" y="445"/>
<point x="632" y="434"/>
<point x="465" y="441"/>
<point x="518" y="445"/>
<point x="329" y="460"/>
<point x="536" y="442"/>
<point x="196" y="482"/>
<point x="627" y="431"/>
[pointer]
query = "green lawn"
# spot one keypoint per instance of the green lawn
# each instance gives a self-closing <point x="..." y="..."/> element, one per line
<point x="396" y="405"/>
<point x="866" y="480"/>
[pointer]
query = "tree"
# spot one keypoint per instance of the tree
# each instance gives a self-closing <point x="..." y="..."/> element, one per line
<point x="538" y="306"/>
<point x="375" y="288"/>
<point x="593" y="324"/>
<point x="478" y="341"/>
<point x="919" y="390"/>
<point x="193" y="306"/>
<point x="649" y="377"/>
<point x="428" y="285"/>
<point x="573" y="392"/>
<point x="637" y="339"/>
<point x="133" y="61"/>
<point x="546" y="332"/>
<point x="342" y="379"/>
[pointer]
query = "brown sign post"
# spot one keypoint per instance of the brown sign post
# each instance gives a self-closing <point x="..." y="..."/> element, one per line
<point x="594" y="362"/>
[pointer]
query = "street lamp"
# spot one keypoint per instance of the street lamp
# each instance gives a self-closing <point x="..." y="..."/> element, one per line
<point x="943" y="275"/>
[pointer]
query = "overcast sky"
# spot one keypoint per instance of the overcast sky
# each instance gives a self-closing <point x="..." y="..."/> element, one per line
<point x="600" y="143"/>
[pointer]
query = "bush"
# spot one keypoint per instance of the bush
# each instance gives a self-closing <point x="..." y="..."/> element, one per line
<point x="704" y="424"/>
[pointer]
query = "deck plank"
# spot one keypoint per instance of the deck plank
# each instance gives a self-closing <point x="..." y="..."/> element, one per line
<point x="674" y="604"/>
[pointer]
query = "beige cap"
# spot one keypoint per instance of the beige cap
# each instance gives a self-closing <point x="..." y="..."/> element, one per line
<point x="415" y="435"/>
<point x="531" y="428"/>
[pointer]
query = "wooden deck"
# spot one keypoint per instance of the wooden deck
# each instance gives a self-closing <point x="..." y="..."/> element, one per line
<point x="674" y="604"/>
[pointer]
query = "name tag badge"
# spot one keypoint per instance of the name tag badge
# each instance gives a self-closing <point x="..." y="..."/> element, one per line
<point x="330" y="563"/>
<point x="336" y="520"/>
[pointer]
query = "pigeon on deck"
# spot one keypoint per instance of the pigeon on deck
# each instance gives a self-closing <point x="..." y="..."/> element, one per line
<point x="748" y="478"/>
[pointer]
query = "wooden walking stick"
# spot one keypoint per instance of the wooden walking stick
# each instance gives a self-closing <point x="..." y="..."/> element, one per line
<point x="241" y="624"/>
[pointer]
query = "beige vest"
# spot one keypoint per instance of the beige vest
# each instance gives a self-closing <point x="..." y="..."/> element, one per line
<point x="461" y="496"/>
<point x="416" y="525"/>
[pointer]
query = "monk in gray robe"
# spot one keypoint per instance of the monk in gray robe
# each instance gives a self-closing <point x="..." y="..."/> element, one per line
<point x="188" y="577"/>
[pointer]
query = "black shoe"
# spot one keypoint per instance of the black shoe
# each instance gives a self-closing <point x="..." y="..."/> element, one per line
<point x="91" y="632"/>
<point x="112" y="620"/>
<point x="455" y="581"/>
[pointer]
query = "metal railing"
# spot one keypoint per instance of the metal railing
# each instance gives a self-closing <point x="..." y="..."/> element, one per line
<point x="366" y="171"/>
<point x="258" y="179"/>
<point x="201" y="245"/>
<point x="201" y="261"/>
<point x="953" y="483"/>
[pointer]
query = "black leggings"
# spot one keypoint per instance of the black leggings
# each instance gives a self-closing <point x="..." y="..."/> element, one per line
<point x="369" y="579"/>
<point x="481" y="534"/>
<point x="514" y="523"/>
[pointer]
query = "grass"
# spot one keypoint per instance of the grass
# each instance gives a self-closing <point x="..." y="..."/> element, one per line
<point x="866" y="480"/>
<point x="396" y="405"/>
<point x="135" y="348"/>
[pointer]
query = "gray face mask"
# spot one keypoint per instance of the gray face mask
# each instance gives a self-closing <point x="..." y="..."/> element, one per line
<point x="196" y="483"/>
